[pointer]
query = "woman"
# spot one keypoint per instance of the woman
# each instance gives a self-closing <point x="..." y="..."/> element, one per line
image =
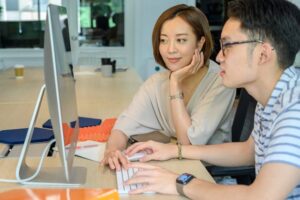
<point x="188" y="100"/>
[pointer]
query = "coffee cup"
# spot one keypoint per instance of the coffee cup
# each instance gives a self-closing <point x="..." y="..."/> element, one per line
<point x="106" y="70"/>
<point x="105" y="61"/>
<point x="19" y="71"/>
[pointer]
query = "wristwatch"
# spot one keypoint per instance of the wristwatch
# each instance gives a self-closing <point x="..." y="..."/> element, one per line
<point x="183" y="180"/>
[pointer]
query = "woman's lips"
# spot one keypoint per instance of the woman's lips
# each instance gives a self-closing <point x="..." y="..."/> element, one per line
<point x="173" y="60"/>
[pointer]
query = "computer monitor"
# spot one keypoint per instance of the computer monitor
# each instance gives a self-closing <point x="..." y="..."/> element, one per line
<point x="60" y="88"/>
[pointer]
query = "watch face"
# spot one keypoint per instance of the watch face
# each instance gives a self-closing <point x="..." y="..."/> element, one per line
<point x="184" y="178"/>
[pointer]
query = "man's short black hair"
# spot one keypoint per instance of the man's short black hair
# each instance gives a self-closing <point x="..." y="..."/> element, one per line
<point x="276" y="21"/>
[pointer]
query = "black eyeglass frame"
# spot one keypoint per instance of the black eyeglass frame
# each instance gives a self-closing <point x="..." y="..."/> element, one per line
<point x="228" y="44"/>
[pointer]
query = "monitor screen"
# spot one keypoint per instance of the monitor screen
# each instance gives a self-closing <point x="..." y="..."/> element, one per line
<point x="60" y="88"/>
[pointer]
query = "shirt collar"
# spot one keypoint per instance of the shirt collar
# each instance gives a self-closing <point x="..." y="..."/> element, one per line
<point x="280" y="87"/>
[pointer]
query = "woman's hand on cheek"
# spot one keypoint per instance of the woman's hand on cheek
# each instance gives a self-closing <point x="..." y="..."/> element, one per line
<point x="196" y="63"/>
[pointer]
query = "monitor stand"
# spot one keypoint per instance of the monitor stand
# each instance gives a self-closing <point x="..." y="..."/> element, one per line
<point x="53" y="176"/>
<point x="56" y="175"/>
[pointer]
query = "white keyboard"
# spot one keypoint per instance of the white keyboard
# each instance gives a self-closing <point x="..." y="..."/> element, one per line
<point x="122" y="176"/>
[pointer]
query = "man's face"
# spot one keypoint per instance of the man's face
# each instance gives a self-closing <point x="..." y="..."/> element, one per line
<point x="237" y="61"/>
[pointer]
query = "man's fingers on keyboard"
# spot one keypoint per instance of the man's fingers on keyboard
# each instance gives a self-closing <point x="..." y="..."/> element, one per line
<point x="141" y="165"/>
<point x="136" y="180"/>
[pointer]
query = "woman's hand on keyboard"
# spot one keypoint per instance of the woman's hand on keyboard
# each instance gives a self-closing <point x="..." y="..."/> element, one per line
<point x="154" y="150"/>
<point x="115" y="159"/>
<point x="153" y="179"/>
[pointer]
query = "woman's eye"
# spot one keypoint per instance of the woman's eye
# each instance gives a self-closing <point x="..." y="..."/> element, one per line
<point x="181" y="40"/>
<point x="163" y="41"/>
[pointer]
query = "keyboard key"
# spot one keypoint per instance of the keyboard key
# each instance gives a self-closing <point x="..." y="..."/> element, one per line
<point x="122" y="176"/>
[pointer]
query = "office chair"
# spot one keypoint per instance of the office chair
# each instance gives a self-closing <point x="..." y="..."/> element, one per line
<point x="241" y="129"/>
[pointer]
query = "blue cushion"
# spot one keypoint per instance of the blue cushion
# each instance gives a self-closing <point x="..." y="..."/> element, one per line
<point x="17" y="136"/>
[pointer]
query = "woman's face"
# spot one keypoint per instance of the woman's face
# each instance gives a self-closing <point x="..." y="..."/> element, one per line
<point x="177" y="43"/>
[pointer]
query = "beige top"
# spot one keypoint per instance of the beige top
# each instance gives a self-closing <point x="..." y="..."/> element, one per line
<point x="209" y="109"/>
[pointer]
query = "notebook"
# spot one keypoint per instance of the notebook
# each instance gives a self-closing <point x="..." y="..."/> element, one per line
<point x="90" y="150"/>
<point x="83" y="122"/>
<point x="17" y="136"/>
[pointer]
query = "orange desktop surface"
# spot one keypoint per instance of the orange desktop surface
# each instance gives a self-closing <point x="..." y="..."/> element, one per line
<point x="60" y="194"/>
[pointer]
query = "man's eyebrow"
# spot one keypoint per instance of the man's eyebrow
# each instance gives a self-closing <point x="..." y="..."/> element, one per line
<point x="226" y="38"/>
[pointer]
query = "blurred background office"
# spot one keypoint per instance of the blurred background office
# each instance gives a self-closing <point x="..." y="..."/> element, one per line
<point x="117" y="29"/>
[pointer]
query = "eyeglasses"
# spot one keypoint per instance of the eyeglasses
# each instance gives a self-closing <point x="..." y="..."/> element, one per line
<point x="224" y="46"/>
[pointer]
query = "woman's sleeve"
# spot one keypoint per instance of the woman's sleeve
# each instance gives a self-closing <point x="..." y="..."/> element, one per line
<point x="210" y="114"/>
<point x="139" y="117"/>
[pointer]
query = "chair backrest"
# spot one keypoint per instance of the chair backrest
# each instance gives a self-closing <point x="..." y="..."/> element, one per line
<point x="244" y="117"/>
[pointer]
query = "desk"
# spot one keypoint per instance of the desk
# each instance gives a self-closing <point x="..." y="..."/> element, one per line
<point x="99" y="177"/>
<point x="94" y="95"/>
<point x="17" y="99"/>
<point x="97" y="96"/>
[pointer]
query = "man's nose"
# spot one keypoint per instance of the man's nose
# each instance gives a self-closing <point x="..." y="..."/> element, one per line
<point x="220" y="57"/>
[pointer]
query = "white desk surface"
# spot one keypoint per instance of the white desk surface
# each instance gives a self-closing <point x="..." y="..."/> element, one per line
<point x="97" y="97"/>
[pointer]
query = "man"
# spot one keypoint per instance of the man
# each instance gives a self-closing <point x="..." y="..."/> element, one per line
<point x="258" y="47"/>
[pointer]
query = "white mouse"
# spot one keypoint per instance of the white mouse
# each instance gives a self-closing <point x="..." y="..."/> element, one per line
<point x="136" y="156"/>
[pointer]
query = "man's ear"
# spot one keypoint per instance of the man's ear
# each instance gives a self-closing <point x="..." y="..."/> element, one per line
<point x="201" y="43"/>
<point x="267" y="53"/>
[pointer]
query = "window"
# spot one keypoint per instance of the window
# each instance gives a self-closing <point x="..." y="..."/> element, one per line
<point x="215" y="13"/>
<point x="101" y="23"/>
<point x="22" y="23"/>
